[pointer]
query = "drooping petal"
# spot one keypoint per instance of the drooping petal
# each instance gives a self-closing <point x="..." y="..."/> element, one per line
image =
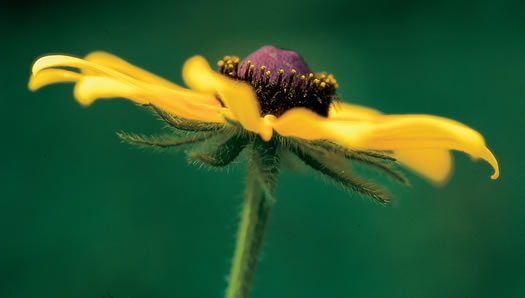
<point x="409" y="132"/>
<point x="52" y="61"/>
<point x="403" y="134"/>
<point x="104" y="82"/>
<point x="239" y="97"/>
<point x="433" y="164"/>
<point x="95" y="69"/>
<point x="52" y="76"/>
<point x="90" y="88"/>
<point x="185" y="103"/>
<point x="121" y="65"/>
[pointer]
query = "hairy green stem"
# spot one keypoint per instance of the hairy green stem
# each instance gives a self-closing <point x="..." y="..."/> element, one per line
<point x="258" y="201"/>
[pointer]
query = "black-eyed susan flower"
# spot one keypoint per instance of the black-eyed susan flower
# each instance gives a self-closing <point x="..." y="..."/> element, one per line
<point x="267" y="104"/>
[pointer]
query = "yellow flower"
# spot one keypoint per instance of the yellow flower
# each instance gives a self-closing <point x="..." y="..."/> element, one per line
<point x="421" y="143"/>
<point x="269" y="103"/>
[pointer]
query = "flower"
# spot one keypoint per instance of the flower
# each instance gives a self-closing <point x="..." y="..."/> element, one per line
<point x="273" y="94"/>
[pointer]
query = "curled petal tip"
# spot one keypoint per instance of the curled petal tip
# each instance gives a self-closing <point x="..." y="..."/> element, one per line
<point x="37" y="65"/>
<point x="44" y="62"/>
<point x="487" y="155"/>
<point x="51" y="76"/>
<point x="31" y="85"/>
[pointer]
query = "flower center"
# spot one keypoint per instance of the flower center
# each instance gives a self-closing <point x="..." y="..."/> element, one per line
<point x="282" y="81"/>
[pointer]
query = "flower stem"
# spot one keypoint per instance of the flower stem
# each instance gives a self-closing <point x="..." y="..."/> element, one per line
<point x="258" y="200"/>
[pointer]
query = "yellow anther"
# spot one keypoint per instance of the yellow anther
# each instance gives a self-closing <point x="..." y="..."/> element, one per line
<point x="293" y="71"/>
<point x="220" y="63"/>
<point x="316" y="81"/>
<point x="261" y="76"/>
<point x="229" y="61"/>
<point x="252" y="67"/>
<point x="336" y="86"/>
<point x="281" y="71"/>
<point x="236" y="60"/>
<point x="267" y="77"/>
<point x="226" y="58"/>
<point x="311" y="75"/>
<point x="323" y="84"/>
<point x="301" y="81"/>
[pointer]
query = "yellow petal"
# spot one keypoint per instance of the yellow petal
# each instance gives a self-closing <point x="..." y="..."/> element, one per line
<point x="52" y="76"/>
<point x="68" y="61"/>
<point x="399" y="133"/>
<point x="116" y="63"/>
<point x="90" y="88"/>
<point x="433" y="164"/>
<point x="185" y="103"/>
<point x="104" y="82"/>
<point x="239" y="97"/>
<point x="408" y="132"/>
<point x="420" y="132"/>
<point x="302" y="123"/>
<point x="346" y="111"/>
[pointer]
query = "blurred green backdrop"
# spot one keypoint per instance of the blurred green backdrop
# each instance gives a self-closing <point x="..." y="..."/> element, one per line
<point x="83" y="215"/>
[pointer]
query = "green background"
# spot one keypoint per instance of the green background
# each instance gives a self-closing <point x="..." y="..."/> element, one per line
<point x="83" y="215"/>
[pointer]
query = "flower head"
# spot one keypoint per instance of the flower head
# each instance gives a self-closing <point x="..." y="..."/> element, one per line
<point x="282" y="81"/>
<point x="271" y="95"/>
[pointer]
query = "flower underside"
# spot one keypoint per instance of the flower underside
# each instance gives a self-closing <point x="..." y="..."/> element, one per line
<point x="288" y="89"/>
<point x="224" y="143"/>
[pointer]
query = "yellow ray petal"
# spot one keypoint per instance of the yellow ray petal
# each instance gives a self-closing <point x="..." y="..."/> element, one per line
<point x="397" y="132"/>
<point x="239" y="97"/>
<point x="186" y="103"/>
<point x="346" y="111"/>
<point x="109" y="83"/>
<point x="410" y="132"/>
<point x="101" y="70"/>
<point x="302" y="123"/>
<point x="90" y="88"/>
<point x="433" y="164"/>
<point x="116" y="63"/>
<point x="68" y="61"/>
<point x="52" y="76"/>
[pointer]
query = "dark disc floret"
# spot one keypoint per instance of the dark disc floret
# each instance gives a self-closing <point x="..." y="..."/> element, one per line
<point x="282" y="81"/>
